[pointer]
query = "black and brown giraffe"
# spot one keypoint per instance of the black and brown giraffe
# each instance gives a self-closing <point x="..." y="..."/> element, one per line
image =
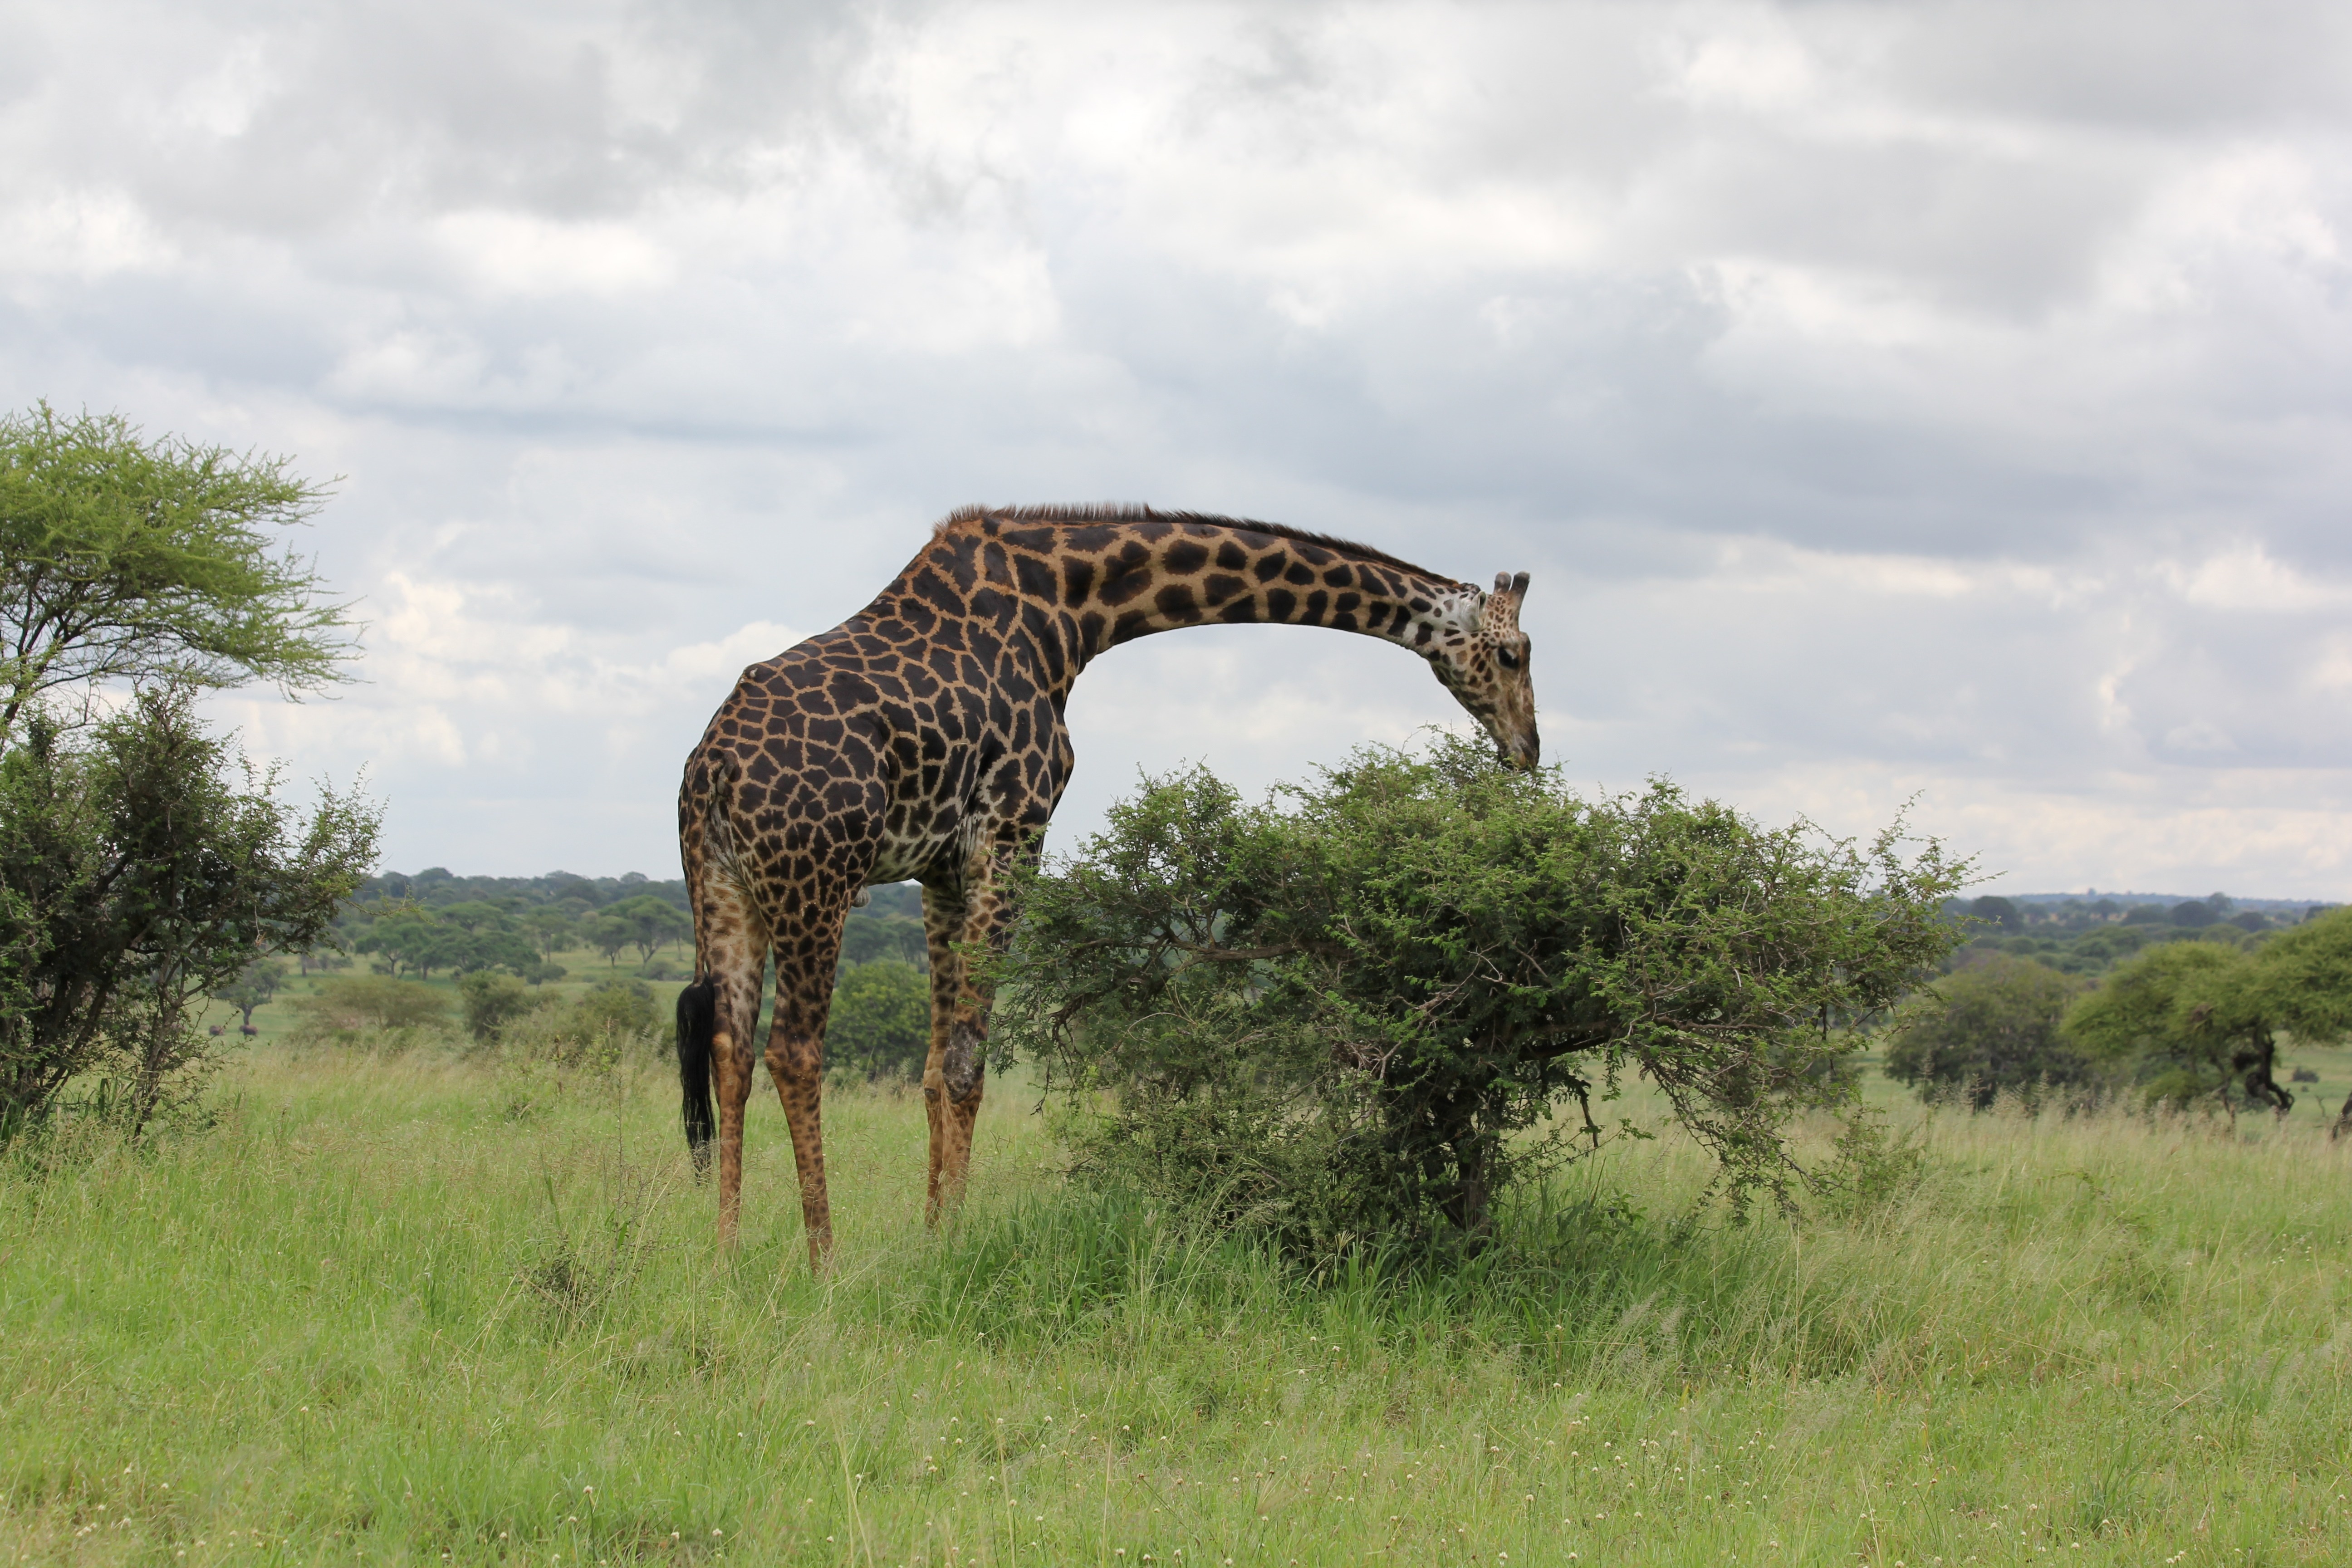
<point x="923" y="739"/>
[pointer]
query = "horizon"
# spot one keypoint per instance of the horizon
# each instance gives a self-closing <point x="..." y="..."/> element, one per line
<point x="2242" y="901"/>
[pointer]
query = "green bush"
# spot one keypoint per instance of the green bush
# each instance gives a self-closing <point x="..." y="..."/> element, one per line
<point x="549" y="1051"/>
<point x="881" y="1020"/>
<point x="1990" y="1027"/>
<point x="1349" y="1011"/>
<point x="142" y="869"/>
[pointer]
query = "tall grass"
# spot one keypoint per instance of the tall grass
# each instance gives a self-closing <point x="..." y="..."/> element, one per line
<point x="384" y="1311"/>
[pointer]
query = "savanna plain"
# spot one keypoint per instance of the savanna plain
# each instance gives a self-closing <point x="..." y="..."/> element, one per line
<point x="424" y="1305"/>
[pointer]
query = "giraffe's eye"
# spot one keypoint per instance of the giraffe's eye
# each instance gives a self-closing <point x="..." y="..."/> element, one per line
<point x="1506" y="658"/>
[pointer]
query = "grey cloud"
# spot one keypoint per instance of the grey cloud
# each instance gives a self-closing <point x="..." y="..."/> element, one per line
<point x="2183" y="67"/>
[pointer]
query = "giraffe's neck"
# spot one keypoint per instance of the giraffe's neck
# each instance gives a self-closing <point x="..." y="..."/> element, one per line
<point x="1076" y="589"/>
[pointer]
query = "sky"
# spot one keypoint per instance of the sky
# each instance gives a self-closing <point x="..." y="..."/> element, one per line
<point x="1931" y="407"/>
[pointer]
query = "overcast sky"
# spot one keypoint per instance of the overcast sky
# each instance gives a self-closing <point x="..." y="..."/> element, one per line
<point x="1889" y="400"/>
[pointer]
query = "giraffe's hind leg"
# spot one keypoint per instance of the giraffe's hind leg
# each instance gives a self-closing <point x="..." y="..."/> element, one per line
<point x="731" y="952"/>
<point x="808" y="944"/>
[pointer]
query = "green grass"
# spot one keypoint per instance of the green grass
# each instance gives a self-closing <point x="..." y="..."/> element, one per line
<point x="367" y="1318"/>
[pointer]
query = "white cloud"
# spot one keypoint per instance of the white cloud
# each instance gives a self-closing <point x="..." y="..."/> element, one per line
<point x="86" y="236"/>
<point x="223" y="100"/>
<point x="2246" y="577"/>
<point x="519" y="254"/>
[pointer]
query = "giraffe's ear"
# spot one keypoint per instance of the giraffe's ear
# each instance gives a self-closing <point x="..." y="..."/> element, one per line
<point x="1503" y="604"/>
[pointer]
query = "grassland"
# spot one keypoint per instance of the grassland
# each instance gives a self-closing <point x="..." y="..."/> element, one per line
<point x="388" y="1310"/>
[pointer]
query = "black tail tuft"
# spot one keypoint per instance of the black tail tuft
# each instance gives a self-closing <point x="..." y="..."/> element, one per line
<point x="697" y="1028"/>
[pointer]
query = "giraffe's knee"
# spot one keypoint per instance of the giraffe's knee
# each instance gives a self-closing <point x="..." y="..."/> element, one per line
<point x="798" y="1066"/>
<point x="963" y="1062"/>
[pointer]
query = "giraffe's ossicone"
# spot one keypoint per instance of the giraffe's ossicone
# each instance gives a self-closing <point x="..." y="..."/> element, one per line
<point x="923" y="738"/>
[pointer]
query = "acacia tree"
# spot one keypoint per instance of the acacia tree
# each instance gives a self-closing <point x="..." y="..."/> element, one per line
<point x="262" y="979"/>
<point x="2197" y="1022"/>
<point x="551" y="929"/>
<point x="652" y="922"/>
<point x="462" y="939"/>
<point x="401" y="930"/>
<point x="1354" y="1006"/>
<point x="608" y="934"/>
<point x="124" y="558"/>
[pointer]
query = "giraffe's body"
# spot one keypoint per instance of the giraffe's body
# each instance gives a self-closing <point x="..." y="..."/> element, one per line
<point x="923" y="739"/>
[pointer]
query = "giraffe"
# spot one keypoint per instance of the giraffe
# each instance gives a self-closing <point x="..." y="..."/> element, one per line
<point x="923" y="739"/>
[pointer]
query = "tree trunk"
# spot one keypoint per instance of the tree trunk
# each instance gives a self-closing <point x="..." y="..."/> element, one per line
<point x="1470" y="1206"/>
<point x="2257" y="1064"/>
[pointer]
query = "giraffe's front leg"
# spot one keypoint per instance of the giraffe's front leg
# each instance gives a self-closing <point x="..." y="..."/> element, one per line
<point x="955" y="1073"/>
<point x="962" y="1075"/>
<point x="943" y="923"/>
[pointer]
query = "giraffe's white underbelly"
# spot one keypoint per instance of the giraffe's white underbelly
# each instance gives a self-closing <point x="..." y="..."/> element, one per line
<point x="950" y="840"/>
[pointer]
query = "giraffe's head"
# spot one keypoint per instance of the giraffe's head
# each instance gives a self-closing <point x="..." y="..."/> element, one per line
<point x="1485" y="664"/>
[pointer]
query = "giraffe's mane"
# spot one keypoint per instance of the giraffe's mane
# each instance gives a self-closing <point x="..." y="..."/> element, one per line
<point x="1130" y="511"/>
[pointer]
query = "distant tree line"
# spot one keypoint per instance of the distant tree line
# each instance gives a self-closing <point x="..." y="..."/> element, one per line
<point x="2090" y="936"/>
<point x="497" y="935"/>
<point x="434" y="922"/>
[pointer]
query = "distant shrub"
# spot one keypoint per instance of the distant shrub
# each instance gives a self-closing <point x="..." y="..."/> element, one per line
<point x="881" y="1020"/>
<point x="492" y="1000"/>
<point x="2108" y="943"/>
<point x="548" y="1051"/>
<point x="617" y="1008"/>
<point x="594" y="1031"/>
<point x="347" y="1003"/>
<point x="1992" y="1026"/>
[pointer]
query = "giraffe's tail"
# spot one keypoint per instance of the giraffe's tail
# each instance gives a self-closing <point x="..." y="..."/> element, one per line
<point x="698" y="1030"/>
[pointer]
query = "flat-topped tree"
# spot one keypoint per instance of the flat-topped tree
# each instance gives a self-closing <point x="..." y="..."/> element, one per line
<point x="923" y="739"/>
<point x="132" y="558"/>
